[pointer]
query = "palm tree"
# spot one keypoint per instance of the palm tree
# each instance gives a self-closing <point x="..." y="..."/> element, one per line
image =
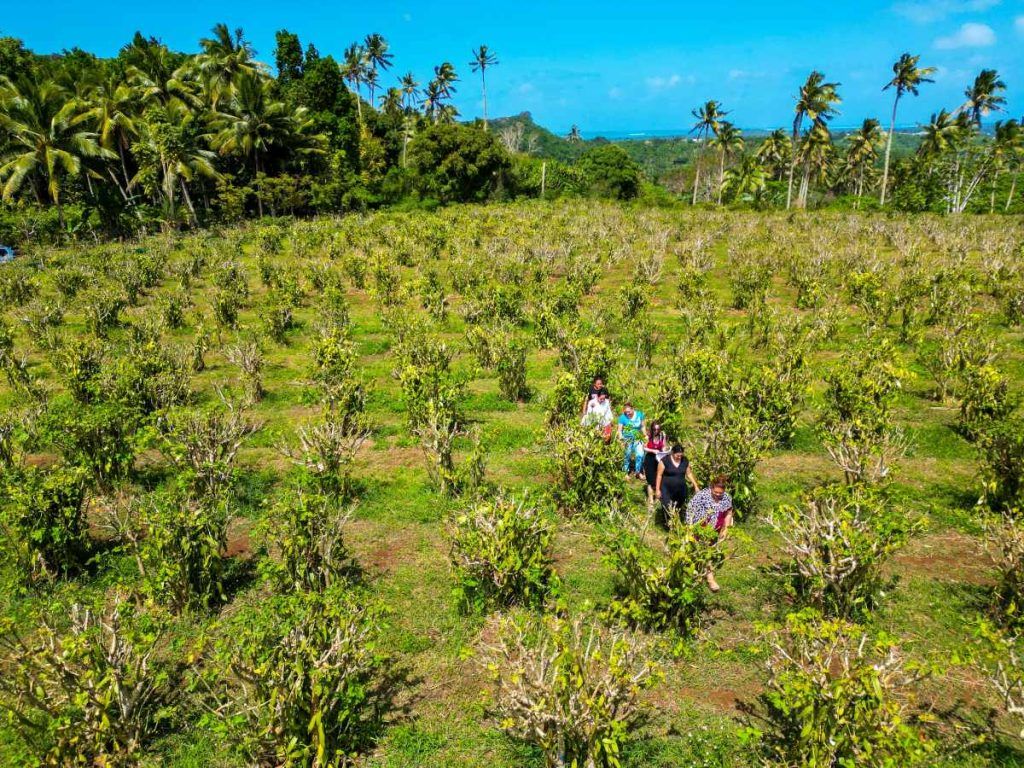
<point x="410" y="89"/>
<point x="907" y="78"/>
<point x="728" y="139"/>
<point x="984" y="96"/>
<point x="1006" y="147"/>
<point x="815" y="153"/>
<point x="46" y="146"/>
<point x="574" y="136"/>
<point x="112" y="107"/>
<point x="438" y="91"/>
<point x="816" y="100"/>
<point x="354" y="71"/>
<point x="483" y="58"/>
<point x="939" y="135"/>
<point x="172" y="154"/>
<point x="862" y="153"/>
<point x="708" y="116"/>
<point x="1013" y="141"/>
<point x="391" y="101"/>
<point x="746" y="179"/>
<point x="254" y="123"/>
<point x="223" y="58"/>
<point x="775" y="152"/>
<point x="378" y="58"/>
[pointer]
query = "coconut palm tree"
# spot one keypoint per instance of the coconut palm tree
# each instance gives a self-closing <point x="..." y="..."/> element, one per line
<point x="816" y="101"/>
<point x="438" y="91"/>
<point x="815" y="155"/>
<point x="223" y="58"/>
<point x="253" y="123"/>
<point x="984" y="96"/>
<point x="728" y="140"/>
<point x="1013" y="141"/>
<point x="410" y="89"/>
<point x="445" y="77"/>
<point x="775" y="152"/>
<point x="708" y="115"/>
<point x="353" y="70"/>
<point x="574" y="136"/>
<point x="377" y="57"/>
<point x="1006" y="147"/>
<point x="862" y="152"/>
<point x="483" y="58"/>
<point x="939" y="136"/>
<point x="172" y="154"/>
<point x="46" y="146"/>
<point x="907" y="78"/>
<point x="746" y="179"/>
<point x="112" y="107"/>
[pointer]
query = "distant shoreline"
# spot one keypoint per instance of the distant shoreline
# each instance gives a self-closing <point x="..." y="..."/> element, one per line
<point x="656" y="135"/>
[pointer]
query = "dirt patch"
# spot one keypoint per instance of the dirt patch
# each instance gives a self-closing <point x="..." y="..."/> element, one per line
<point x="949" y="556"/>
<point x="239" y="544"/>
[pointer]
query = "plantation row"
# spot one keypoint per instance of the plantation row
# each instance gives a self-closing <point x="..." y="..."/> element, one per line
<point x="302" y="493"/>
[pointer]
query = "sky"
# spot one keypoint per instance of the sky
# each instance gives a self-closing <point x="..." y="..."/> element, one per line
<point x="605" y="66"/>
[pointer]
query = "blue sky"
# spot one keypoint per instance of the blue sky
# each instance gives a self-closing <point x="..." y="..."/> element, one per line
<point x="606" y="65"/>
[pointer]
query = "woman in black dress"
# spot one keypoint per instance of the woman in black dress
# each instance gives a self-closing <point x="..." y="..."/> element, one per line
<point x="674" y="473"/>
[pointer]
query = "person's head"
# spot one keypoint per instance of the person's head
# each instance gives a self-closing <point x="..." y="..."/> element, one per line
<point x="718" y="487"/>
<point x="656" y="429"/>
<point x="602" y="396"/>
<point x="598" y="382"/>
<point x="677" y="452"/>
<point x="628" y="409"/>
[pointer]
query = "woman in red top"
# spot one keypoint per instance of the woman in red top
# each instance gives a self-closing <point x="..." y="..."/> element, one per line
<point x="655" y="445"/>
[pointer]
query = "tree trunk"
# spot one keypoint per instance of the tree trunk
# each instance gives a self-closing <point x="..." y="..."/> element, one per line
<point x="696" y="178"/>
<point x="1013" y="188"/>
<point x="789" y="189"/>
<point x="483" y="88"/>
<point x="888" y="149"/>
<point x="188" y="201"/>
<point x="721" y="176"/>
<point x="259" y="192"/>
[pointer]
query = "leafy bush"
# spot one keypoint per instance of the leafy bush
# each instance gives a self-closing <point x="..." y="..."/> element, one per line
<point x="570" y="688"/>
<point x="984" y="397"/>
<point x="731" y="446"/>
<point x="501" y="554"/>
<point x="98" y="437"/>
<point x="203" y="445"/>
<point x="1002" y="449"/>
<point x="1005" y="544"/>
<point x="325" y="452"/>
<point x="585" y="357"/>
<point x="457" y="163"/>
<point x="44" y="522"/>
<point x="510" y="364"/>
<point x="839" y="541"/>
<point x="301" y="680"/>
<point x="835" y="697"/>
<point x="179" y="547"/>
<point x="563" y="404"/>
<point x="248" y="356"/>
<point x="306" y="531"/>
<point x="610" y="172"/>
<point x="588" y="471"/>
<point x="94" y="693"/>
<point x="660" y="584"/>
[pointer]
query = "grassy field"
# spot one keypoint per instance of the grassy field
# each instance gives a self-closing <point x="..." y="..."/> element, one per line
<point x="397" y="531"/>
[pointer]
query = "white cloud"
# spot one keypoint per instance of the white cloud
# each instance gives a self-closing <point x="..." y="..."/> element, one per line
<point x="970" y="35"/>
<point x="923" y="12"/>
<point x="744" y="74"/>
<point x="1018" y="24"/>
<point x="660" y="83"/>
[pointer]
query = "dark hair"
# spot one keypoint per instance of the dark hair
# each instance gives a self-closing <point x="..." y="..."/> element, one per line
<point x="677" y="448"/>
<point x="720" y="481"/>
<point x="656" y="426"/>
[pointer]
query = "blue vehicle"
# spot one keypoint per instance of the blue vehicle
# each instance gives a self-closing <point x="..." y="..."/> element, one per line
<point x="6" y="254"/>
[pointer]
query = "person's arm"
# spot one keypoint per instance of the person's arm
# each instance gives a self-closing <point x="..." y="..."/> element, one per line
<point x="692" y="479"/>
<point x="657" y="481"/>
<point x="618" y="430"/>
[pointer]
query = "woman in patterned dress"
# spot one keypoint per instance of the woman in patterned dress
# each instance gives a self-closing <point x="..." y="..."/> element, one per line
<point x="712" y="506"/>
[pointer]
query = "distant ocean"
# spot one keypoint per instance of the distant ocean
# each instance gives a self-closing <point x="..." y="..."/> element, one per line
<point x="684" y="133"/>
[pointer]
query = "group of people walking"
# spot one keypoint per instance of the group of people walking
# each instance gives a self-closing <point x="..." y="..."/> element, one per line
<point x="666" y="470"/>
